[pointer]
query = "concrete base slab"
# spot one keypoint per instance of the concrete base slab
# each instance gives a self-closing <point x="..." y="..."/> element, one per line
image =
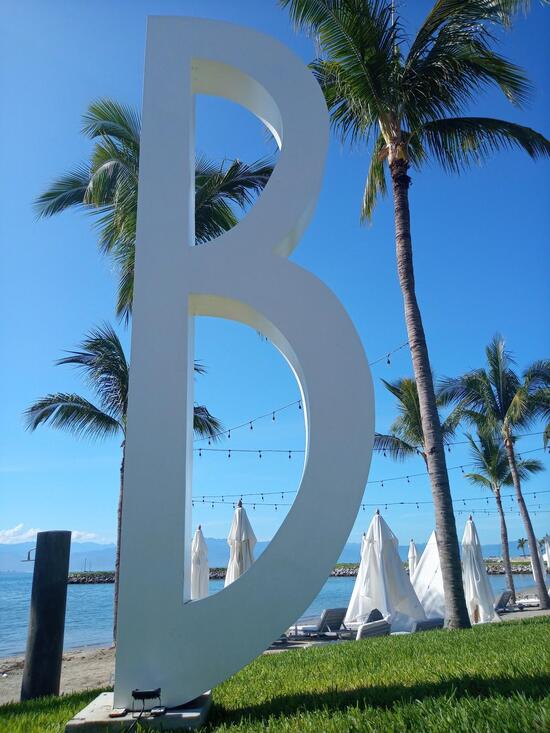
<point x="95" y="717"/>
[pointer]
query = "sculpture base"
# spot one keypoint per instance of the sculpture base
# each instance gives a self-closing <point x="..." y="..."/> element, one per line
<point x="94" y="718"/>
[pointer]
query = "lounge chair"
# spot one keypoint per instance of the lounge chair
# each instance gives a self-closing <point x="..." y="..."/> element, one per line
<point x="502" y="602"/>
<point x="331" y="620"/>
<point x="429" y="624"/>
<point x="374" y="628"/>
<point x="374" y="625"/>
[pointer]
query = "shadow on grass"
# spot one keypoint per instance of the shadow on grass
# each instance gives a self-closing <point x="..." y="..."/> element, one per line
<point x="50" y="704"/>
<point x="386" y="696"/>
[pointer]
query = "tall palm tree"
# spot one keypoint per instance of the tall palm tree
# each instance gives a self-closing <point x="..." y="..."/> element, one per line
<point x="107" y="187"/>
<point x="496" y="400"/>
<point x="492" y="471"/>
<point x="522" y="544"/>
<point x="106" y="372"/>
<point x="406" y="98"/>
<point x="406" y="437"/>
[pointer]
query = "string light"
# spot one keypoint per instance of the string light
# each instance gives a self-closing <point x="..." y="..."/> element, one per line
<point x="534" y="508"/>
<point x="412" y="502"/>
<point x="273" y="413"/>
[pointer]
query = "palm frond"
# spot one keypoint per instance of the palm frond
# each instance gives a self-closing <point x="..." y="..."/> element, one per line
<point x="360" y="40"/>
<point x="480" y="480"/>
<point x="451" y="58"/>
<point x="102" y="358"/>
<point x="66" y="191"/>
<point x="458" y="142"/>
<point x="375" y="186"/>
<point x="396" y="448"/>
<point x="205" y="424"/>
<point x="108" y="118"/>
<point x="72" y="413"/>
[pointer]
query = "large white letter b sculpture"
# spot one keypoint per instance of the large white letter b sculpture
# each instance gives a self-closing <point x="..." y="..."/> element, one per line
<point x="165" y="640"/>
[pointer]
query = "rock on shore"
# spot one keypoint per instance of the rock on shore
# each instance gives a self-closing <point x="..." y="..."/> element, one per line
<point x="494" y="567"/>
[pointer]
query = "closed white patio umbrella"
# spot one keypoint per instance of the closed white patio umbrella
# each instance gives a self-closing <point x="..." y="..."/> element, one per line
<point x="477" y="588"/>
<point x="547" y="552"/>
<point x="241" y="541"/>
<point x="540" y="560"/>
<point x="382" y="582"/>
<point x="428" y="582"/>
<point x="413" y="558"/>
<point x="199" y="566"/>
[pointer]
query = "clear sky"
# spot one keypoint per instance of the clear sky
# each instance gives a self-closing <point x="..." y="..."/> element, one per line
<point x="481" y="255"/>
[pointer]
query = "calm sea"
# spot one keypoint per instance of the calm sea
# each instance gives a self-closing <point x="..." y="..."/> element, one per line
<point x="89" y="618"/>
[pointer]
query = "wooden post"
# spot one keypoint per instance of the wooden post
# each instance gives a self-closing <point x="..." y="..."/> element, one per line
<point x="42" y="671"/>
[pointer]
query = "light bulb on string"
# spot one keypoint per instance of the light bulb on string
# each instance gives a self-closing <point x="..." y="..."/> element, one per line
<point x="388" y="362"/>
<point x="229" y="434"/>
<point x="229" y="453"/>
<point x="299" y="404"/>
<point x="251" y="426"/>
<point x="289" y="455"/>
<point x="408" y="480"/>
<point x="200" y="453"/>
<point x="273" y="417"/>
<point x="259" y="454"/>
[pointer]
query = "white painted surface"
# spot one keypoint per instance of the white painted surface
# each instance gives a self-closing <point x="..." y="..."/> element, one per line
<point x="163" y="640"/>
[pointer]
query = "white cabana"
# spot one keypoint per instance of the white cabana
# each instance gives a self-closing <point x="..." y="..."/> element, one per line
<point x="413" y="558"/>
<point x="199" y="566"/>
<point x="427" y="581"/>
<point x="382" y="582"/>
<point x="241" y="541"/>
<point x="477" y="587"/>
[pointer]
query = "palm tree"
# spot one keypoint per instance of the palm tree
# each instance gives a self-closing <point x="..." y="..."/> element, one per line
<point x="492" y="471"/>
<point x="106" y="371"/>
<point x="497" y="401"/>
<point x="406" y="437"/>
<point x="522" y="543"/>
<point x="406" y="98"/>
<point x="107" y="187"/>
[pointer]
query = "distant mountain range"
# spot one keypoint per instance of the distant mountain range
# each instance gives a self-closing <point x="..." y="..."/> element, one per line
<point x="93" y="556"/>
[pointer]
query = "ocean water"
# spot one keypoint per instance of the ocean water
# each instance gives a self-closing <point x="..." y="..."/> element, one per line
<point x="89" y="617"/>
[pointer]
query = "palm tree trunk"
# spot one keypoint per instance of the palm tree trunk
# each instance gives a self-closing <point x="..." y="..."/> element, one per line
<point x="447" y="540"/>
<point x="505" y="547"/>
<point x="542" y="592"/>
<point x="118" y="537"/>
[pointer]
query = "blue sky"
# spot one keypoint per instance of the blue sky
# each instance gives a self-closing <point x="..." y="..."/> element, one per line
<point x="481" y="244"/>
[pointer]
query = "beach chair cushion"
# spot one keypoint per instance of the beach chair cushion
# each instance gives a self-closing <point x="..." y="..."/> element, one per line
<point x="375" y="628"/>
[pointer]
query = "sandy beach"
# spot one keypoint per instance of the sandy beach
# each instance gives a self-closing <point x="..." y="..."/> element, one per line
<point x="82" y="669"/>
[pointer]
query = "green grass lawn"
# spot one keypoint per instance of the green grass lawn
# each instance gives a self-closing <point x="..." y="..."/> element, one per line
<point x="492" y="679"/>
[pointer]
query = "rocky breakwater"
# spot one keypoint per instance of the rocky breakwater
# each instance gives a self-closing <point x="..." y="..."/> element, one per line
<point x="87" y="578"/>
